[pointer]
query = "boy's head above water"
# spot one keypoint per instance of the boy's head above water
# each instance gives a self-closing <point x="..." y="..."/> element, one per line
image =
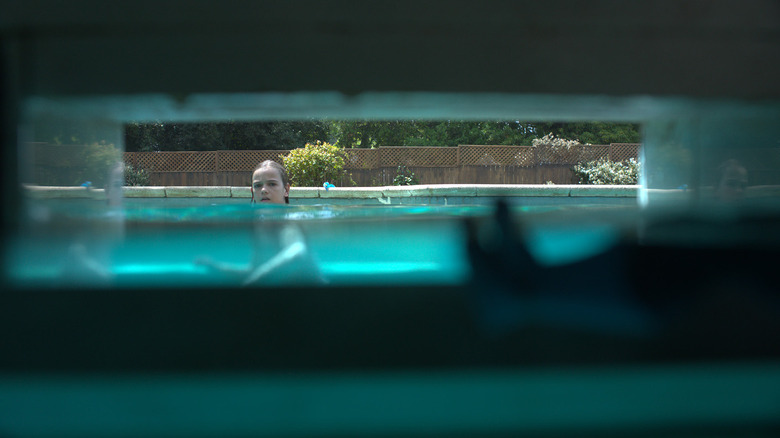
<point x="270" y="183"/>
<point x="732" y="181"/>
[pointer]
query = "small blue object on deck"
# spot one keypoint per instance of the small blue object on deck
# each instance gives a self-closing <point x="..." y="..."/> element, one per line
<point x="327" y="185"/>
<point x="87" y="184"/>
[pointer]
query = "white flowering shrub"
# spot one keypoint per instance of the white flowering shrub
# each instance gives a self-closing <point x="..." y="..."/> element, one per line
<point x="136" y="176"/>
<point x="553" y="149"/>
<point x="405" y="177"/>
<point x="607" y="172"/>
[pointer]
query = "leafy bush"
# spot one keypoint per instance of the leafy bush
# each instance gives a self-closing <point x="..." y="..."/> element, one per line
<point x="136" y="176"/>
<point x="607" y="172"/>
<point x="97" y="160"/>
<point x="316" y="163"/>
<point x="405" y="177"/>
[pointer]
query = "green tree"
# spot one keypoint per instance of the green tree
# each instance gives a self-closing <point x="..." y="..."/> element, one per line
<point x="230" y="135"/>
<point x="143" y="137"/>
<point x="591" y="132"/>
<point x="275" y="135"/>
<point x="429" y="133"/>
<point x="369" y="133"/>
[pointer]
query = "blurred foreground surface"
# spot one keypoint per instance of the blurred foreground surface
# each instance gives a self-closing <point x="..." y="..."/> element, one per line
<point x="668" y="325"/>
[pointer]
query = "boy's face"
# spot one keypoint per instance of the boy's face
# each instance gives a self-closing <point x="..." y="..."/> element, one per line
<point x="267" y="186"/>
<point x="732" y="187"/>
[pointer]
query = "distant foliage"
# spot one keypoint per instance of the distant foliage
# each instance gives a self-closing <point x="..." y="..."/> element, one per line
<point x="315" y="164"/>
<point x="405" y="177"/>
<point x="136" y="176"/>
<point x="280" y="135"/>
<point x="592" y="132"/>
<point x="608" y="172"/>
<point x="224" y="135"/>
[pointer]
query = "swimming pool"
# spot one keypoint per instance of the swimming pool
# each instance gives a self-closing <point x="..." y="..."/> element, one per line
<point x="153" y="242"/>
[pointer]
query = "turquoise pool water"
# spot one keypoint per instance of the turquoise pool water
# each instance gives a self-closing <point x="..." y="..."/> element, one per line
<point x="82" y="243"/>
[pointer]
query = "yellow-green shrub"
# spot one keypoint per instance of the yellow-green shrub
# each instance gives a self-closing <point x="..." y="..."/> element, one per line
<point x="315" y="164"/>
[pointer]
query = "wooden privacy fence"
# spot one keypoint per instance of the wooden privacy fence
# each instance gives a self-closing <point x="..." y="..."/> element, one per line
<point x="465" y="164"/>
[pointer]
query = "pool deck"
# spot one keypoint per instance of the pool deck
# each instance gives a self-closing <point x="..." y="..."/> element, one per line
<point x="444" y="194"/>
<point x="385" y="194"/>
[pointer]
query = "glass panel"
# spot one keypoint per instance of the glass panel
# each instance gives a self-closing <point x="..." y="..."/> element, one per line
<point x="72" y="217"/>
<point x="77" y="231"/>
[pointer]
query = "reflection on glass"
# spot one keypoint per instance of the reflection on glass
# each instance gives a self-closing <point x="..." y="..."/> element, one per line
<point x="74" y="163"/>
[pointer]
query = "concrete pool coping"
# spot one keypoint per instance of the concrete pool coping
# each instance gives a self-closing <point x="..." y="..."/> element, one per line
<point x="385" y="192"/>
<point x="528" y="195"/>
